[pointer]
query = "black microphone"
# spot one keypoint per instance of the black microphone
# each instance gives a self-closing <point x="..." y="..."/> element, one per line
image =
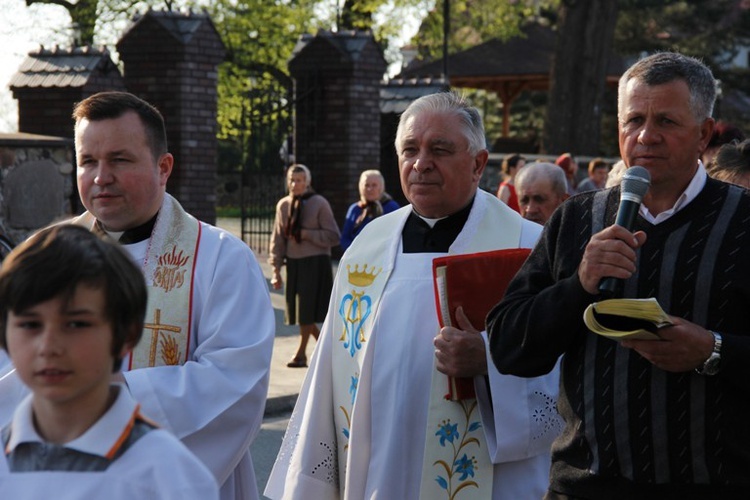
<point x="633" y="188"/>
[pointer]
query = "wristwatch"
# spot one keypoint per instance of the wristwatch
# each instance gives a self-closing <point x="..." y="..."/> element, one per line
<point x="711" y="365"/>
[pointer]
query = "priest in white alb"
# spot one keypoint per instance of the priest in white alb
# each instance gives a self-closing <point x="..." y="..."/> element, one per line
<point x="201" y="368"/>
<point x="371" y="420"/>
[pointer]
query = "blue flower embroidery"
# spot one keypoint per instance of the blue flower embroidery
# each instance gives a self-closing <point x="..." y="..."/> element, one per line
<point x="465" y="467"/>
<point x="459" y="472"/>
<point x="447" y="432"/>
<point x="353" y="388"/>
<point x="442" y="482"/>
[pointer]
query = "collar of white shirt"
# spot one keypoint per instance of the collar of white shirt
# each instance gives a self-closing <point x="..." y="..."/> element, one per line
<point x="99" y="439"/>
<point x="696" y="186"/>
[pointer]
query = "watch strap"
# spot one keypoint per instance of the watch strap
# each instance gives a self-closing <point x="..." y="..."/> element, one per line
<point x="711" y="365"/>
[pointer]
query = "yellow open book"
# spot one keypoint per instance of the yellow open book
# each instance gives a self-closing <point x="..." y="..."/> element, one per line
<point x="620" y="319"/>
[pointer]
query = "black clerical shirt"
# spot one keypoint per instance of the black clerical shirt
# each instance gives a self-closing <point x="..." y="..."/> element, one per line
<point x="136" y="234"/>
<point x="419" y="237"/>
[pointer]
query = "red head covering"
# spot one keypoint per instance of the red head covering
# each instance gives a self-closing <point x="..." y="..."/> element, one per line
<point x="565" y="161"/>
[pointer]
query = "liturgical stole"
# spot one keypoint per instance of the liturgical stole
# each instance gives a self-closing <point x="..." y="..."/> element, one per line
<point x="169" y="269"/>
<point x="456" y="462"/>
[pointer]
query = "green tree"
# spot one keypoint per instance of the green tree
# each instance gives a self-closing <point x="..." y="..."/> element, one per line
<point x="711" y="30"/>
<point x="580" y="111"/>
<point x="357" y="14"/>
<point x="83" y="15"/>
<point x="259" y="37"/>
<point x="90" y="19"/>
<point x="473" y="22"/>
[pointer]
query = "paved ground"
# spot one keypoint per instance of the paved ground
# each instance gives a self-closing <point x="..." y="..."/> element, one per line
<point x="284" y="382"/>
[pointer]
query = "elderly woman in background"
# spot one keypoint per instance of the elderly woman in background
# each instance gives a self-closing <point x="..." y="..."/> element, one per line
<point x="373" y="202"/>
<point x="303" y="233"/>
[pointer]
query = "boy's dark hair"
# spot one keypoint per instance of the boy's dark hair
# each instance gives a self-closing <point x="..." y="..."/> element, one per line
<point x="54" y="261"/>
<point x="112" y="104"/>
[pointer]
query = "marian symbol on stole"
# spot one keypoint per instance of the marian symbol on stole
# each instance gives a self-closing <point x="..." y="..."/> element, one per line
<point x="356" y="307"/>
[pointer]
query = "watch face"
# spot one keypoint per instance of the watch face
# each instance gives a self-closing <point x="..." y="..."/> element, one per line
<point x="711" y="367"/>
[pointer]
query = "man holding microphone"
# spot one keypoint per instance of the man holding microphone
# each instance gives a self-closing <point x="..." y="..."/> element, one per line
<point x="646" y="419"/>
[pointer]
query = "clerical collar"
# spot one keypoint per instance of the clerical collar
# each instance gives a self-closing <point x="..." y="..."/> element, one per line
<point x="139" y="233"/>
<point x="430" y="222"/>
<point x="418" y="236"/>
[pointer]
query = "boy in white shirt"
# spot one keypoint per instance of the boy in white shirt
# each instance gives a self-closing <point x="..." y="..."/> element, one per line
<point x="71" y="306"/>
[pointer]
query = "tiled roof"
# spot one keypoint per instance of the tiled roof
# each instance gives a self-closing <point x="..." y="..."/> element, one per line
<point x="61" y="68"/>
<point x="397" y="94"/>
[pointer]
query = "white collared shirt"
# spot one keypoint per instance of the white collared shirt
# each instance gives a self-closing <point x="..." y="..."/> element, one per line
<point x="156" y="465"/>
<point x="694" y="188"/>
<point x="101" y="439"/>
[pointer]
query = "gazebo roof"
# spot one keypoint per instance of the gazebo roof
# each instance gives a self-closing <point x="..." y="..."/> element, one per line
<point x="506" y="68"/>
<point x="493" y="65"/>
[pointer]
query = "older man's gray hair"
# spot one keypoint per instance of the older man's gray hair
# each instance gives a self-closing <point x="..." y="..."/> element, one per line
<point x="448" y="103"/>
<point x="540" y="170"/>
<point x="666" y="67"/>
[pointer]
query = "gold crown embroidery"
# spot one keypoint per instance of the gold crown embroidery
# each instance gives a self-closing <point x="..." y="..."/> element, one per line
<point x="362" y="278"/>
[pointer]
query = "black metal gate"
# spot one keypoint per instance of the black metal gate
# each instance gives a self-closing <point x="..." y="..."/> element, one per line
<point x="267" y="150"/>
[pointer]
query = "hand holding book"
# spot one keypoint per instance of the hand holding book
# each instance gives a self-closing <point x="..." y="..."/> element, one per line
<point x="475" y="282"/>
<point x="621" y="319"/>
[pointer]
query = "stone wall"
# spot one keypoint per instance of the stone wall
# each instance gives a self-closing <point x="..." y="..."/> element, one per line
<point x="37" y="183"/>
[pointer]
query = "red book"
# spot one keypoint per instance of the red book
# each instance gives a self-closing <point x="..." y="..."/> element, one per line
<point x="476" y="282"/>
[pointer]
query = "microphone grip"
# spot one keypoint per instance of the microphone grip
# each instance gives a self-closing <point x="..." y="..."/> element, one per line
<point x="610" y="287"/>
<point x="626" y="214"/>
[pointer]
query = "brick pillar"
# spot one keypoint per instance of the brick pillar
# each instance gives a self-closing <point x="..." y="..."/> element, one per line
<point x="171" y="60"/>
<point x="337" y="113"/>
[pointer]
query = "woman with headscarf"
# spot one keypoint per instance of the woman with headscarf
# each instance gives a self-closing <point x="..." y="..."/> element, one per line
<point x="303" y="233"/>
<point x="373" y="202"/>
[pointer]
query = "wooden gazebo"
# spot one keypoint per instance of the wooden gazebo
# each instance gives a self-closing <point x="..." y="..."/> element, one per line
<point x="506" y="68"/>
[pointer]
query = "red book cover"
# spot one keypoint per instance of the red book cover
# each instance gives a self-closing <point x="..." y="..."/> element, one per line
<point x="477" y="282"/>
